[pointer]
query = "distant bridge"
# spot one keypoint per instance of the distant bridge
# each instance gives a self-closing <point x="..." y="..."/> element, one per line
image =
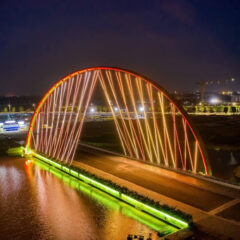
<point x="151" y="126"/>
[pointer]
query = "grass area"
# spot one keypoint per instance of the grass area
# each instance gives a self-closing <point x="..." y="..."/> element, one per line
<point x="101" y="134"/>
<point x="221" y="135"/>
<point x="5" y="144"/>
<point x="219" y="132"/>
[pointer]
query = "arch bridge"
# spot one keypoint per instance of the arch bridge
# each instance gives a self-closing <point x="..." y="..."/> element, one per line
<point x="150" y="124"/>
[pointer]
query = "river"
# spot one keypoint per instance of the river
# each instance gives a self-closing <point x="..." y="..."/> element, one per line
<point x="38" y="202"/>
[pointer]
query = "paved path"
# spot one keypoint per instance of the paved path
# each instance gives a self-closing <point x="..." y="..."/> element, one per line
<point x="198" y="197"/>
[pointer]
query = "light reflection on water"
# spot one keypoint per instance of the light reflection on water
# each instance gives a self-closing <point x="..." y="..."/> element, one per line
<point x="36" y="204"/>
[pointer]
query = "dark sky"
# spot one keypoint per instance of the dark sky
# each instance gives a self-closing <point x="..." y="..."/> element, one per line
<point x="174" y="42"/>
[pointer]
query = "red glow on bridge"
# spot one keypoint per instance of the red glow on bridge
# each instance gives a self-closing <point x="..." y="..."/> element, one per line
<point x="150" y="125"/>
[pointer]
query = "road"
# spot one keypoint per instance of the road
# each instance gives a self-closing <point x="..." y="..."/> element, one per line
<point x="198" y="197"/>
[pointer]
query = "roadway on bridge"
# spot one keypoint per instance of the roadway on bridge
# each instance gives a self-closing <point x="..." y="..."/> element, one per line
<point x="198" y="197"/>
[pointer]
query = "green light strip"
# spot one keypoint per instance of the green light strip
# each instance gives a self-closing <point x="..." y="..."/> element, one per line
<point x="148" y="209"/>
<point x="154" y="210"/>
<point x="108" y="200"/>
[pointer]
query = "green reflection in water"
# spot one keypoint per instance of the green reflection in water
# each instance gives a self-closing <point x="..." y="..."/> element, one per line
<point x="108" y="201"/>
<point x="113" y="192"/>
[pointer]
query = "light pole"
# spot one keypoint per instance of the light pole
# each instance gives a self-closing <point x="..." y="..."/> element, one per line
<point x="9" y="107"/>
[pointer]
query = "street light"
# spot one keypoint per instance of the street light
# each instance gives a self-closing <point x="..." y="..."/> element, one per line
<point x="141" y="108"/>
<point x="9" y="107"/>
<point x="92" y="109"/>
<point x="214" y="100"/>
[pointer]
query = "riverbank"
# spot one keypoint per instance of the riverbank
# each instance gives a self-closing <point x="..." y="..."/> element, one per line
<point x="164" y="212"/>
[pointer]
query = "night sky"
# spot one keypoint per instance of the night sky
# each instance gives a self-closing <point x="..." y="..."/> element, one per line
<point x="173" y="42"/>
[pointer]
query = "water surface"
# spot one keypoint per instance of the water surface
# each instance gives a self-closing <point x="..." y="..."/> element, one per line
<point x="38" y="202"/>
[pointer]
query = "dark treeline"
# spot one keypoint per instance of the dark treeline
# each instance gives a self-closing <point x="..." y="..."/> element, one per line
<point x="18" y="104"/>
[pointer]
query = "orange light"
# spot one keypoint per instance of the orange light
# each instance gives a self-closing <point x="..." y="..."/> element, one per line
<point x="138" y="138"/>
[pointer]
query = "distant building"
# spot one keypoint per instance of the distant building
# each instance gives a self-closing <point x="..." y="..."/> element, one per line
<point x="186" y="98"/>
<point x="235" y="98"/>
<point x="225" y="97"/>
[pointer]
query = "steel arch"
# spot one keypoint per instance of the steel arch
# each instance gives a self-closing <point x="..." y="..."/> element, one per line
<point x="186" y="121"/>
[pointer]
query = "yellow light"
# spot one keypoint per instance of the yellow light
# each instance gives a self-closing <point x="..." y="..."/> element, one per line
<point x="28" y="151"/>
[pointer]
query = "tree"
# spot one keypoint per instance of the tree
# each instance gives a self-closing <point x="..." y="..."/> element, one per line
<point x="233" y="109"/>
<point x="105" y="108"/>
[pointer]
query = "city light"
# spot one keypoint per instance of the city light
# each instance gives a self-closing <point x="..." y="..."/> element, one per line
<point x="92" y="110"/>
<point x="214" y="101"/>
<point x="141" y="108"/>
<point x="116" y="109"/>
<point x="10" y="121"/>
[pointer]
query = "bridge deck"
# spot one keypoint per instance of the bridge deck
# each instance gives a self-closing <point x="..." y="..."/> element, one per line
<point x="157" y="181"/>
<point x="211" y="204"/>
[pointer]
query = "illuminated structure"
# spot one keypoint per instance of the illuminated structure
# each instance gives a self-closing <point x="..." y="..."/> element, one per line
<point x="151" y="127"/>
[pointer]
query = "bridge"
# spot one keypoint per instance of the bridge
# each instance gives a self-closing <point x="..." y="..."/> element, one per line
<point x="153" y="131"/>
<point x="164" y="135"/>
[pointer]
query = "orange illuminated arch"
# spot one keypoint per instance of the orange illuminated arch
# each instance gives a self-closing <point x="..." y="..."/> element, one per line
<point x="164" y="136"/>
